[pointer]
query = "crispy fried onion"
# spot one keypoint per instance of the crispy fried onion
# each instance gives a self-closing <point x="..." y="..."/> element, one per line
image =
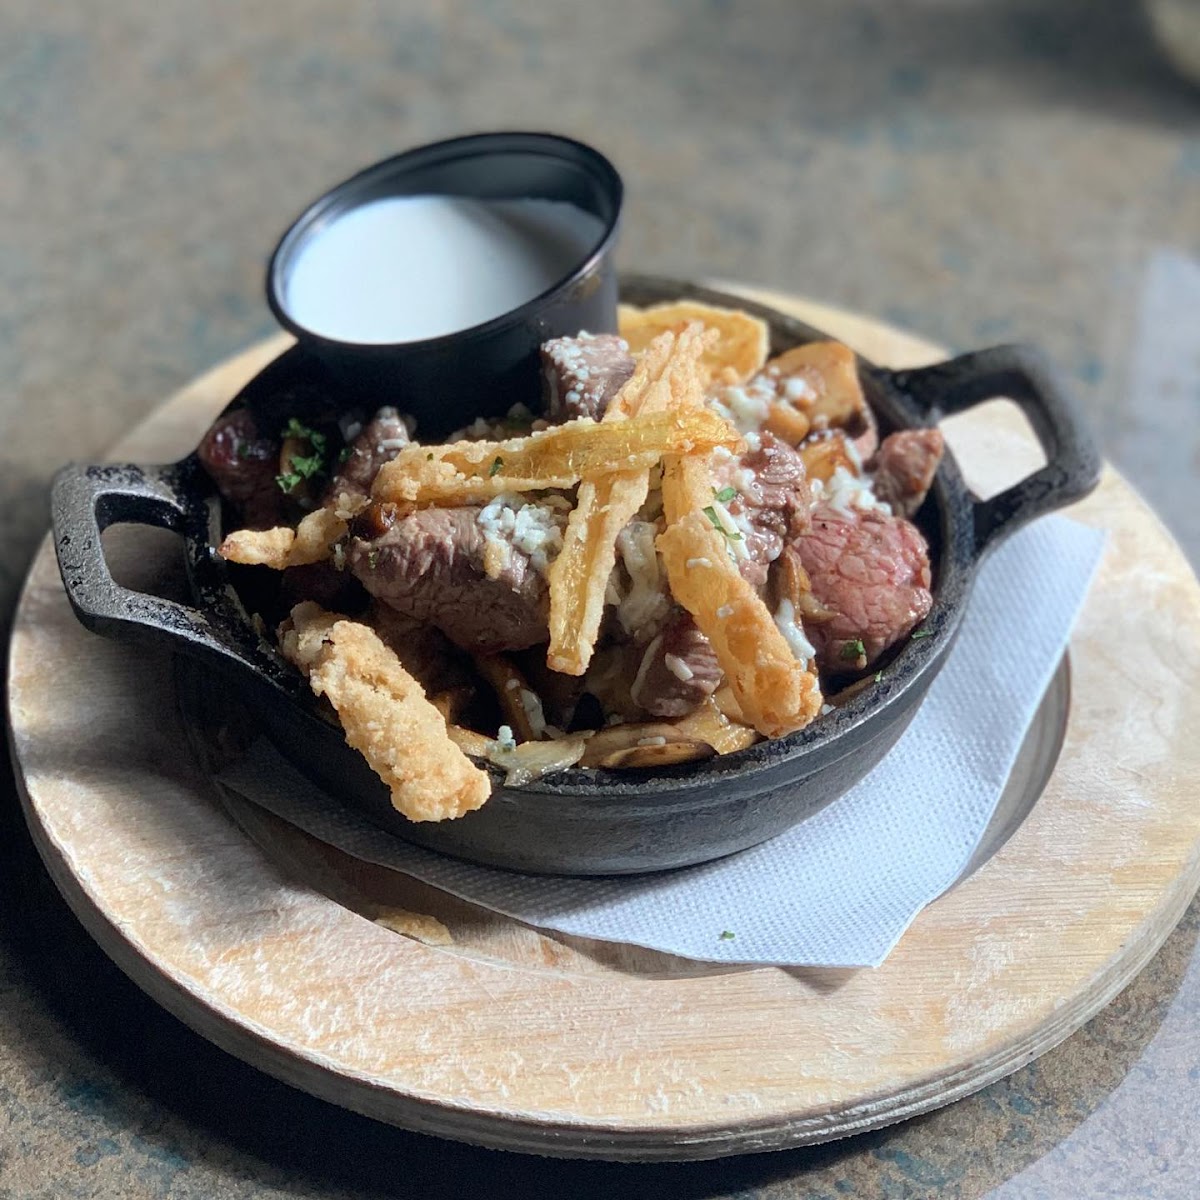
<point x="665" y="380"/>
<point x="558" y="457"/>
<point x="736" y="352"/>
<point x="384" y="715"/>
<point x="312" y="541"/>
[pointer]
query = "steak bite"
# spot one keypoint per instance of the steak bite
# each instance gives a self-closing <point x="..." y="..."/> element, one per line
<point x="904" y="467"/>
<point x="582" y="374"/>
<point x="243" y="463"/>
<point x="678" y="669"/>
<point x="769" y="491"/>
<point x="469" y="571"/>
<point x="378" y="442"/>
<point x="870" y="572"/>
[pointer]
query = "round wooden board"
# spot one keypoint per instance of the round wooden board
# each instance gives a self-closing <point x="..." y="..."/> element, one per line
<point x="514" y="1039"/>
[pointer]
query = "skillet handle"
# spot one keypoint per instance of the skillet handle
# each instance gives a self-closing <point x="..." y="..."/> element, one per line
<point x="86" y="500"/>
<point x="1024" y="375"/>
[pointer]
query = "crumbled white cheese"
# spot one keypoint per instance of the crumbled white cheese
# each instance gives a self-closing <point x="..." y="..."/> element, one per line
<point x="845" y="492"/>
<point x="505" y="739"/>
<point x="793" y="632"/>
<point x="746" y="406"/>
<point x="678" y="668"/>
<point x="534" y="527"/>
<point x="699" y="562"/>
<point x="826" y="709"/>
<point x="656" y="740"/>
<point x="798" y="388"/>
<point x="646" y="603"/>
<point x="726" y="610"/>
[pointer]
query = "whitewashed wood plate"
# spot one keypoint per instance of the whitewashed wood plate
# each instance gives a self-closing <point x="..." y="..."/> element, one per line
<point x="557" y="1046"/>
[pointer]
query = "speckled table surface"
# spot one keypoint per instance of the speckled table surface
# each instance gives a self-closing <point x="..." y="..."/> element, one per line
<point x="982" y="171"/>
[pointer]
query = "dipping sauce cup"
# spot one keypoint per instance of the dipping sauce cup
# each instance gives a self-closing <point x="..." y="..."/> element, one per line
<point x="430" y="280"/>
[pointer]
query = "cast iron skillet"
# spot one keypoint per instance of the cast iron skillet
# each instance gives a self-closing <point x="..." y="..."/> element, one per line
<point x="590" y="822"/>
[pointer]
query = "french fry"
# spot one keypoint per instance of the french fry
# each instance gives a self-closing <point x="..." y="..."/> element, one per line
<point x="384" y="715"/>
<point x="312" y="541"/>
<point x="558" y="457"/>
<point x="665" y="380"/>
<point x="738" y="353"/>
<point x="775" y="692"/>
<point x="832" y="395"/>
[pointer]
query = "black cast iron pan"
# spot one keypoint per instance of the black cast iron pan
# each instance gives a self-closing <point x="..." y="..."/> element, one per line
<point x="589" y="822"/>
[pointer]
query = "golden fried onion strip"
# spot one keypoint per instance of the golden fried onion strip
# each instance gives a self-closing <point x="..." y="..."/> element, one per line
<point x="384" y="715"/>
<point x="776" y="693"/>
<point x="665" y="379"/>
<point x="736" y="354"/>
<point x="311" y="541"/>
<point x="558" y="457"/>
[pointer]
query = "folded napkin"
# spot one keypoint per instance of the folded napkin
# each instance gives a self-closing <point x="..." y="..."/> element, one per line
<point x="840" y="888"/>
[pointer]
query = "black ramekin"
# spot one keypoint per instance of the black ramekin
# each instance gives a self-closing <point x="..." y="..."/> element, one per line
<point x="495" y="364"/>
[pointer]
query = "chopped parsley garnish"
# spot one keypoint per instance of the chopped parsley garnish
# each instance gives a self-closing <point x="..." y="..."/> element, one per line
<point x="727" y="935"/>
<point x="725" y="494"/>
<point x="344" y="453"/>
<point x="429" y="456"/>
<point x="854" y="649"/>
<point x="302" y="466"/>
<point x="711" y="514"/>
<point x="494" y="469"/>
<point x="296" y="429"/>
<point x="878" y="676"/>
<point x="372" y="559"/>
<point x="921" y="633"/>
<point x="307" y="465"/>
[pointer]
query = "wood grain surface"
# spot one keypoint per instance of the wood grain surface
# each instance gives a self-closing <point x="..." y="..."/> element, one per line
<point x="523" y="1048"/>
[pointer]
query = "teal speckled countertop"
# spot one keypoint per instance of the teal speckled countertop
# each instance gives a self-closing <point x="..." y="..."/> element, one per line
<point x="980" y="171"/>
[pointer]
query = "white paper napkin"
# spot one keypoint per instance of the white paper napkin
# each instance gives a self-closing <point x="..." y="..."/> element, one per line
<point x="840" y="888"/>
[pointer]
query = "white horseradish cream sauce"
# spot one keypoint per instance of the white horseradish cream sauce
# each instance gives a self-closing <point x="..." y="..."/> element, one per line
<point x="413" y="267"/>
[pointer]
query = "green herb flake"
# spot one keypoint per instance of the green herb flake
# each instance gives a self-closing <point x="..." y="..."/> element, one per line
<point x="711" y="514"/>
<point x="295" y="429"/>
<point x="429" y="456"/>
<point x="372" y="559"/>
<point x="344" y="454"/>
<point x="727" y="935"/>
<point x="878" y="676"/>
<point x="307" y="465"/>
<point x="494" y="469"/>
<point x="853" y="650"/>
<point x="287" y="481"/>
<point x="921" y="633"/>
<point x="725" y="494"/>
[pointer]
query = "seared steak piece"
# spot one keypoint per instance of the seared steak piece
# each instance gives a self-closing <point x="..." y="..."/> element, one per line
<point x="582" y="374"/>
<point x="677" y="671"/>
<point x="243" y="464"/>
<point x="770" y="488"/>
<point x="904" y="467"/>
<point x="432" y="564"/>
<point x="379" y="441"/>
<point x="870" y="571"/>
